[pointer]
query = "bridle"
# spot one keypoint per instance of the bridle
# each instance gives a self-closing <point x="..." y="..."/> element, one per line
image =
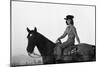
<point x="34" y="54"/>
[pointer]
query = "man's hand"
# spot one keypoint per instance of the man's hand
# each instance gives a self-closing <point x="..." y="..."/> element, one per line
<point x="57" y="41"/>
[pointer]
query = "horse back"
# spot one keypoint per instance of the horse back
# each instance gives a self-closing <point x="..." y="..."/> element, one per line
<point x="85" y="49"/>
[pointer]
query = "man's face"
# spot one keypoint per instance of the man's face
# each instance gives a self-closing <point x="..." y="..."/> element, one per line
<point x="68" y="21"/>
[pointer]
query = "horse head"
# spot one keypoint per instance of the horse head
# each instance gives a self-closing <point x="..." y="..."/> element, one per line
<point x="32" y="38"/>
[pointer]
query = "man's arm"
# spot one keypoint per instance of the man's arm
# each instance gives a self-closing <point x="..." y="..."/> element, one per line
<point x="64" y="34"/>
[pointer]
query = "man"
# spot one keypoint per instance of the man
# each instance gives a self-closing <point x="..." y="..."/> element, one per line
<point x="71" y="32"/>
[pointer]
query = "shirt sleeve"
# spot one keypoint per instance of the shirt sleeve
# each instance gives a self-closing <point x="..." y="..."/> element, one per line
<point x="65" y="33"/>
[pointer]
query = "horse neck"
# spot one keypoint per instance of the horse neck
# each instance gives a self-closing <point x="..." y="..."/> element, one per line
<point x="45" y="45"/>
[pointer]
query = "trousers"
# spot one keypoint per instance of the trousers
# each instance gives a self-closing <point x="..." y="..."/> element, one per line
<point x="60" y="47"/>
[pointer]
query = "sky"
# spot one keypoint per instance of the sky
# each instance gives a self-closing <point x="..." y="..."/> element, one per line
<point x="49" y="21"/>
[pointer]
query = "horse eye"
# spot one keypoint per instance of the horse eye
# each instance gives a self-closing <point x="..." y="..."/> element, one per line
<point x="30" y="35"/>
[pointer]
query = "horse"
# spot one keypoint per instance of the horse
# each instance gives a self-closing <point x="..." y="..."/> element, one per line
<point x="47" y="49"/>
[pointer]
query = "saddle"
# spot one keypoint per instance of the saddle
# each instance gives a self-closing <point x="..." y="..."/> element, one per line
<point x="70" y="50"/>
<point x="67" y="51"/>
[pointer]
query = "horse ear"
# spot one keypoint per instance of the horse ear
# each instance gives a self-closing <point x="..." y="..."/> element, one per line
<point x="35" y="29"/>
<point x="28" y="30"/>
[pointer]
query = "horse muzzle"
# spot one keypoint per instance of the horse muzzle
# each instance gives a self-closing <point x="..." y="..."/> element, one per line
<point x="33" y="54"/>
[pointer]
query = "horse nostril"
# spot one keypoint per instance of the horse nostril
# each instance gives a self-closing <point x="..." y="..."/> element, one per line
<point x="28" y="49"/>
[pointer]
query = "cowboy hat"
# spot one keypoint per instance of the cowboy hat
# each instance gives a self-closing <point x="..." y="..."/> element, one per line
<point x="69" y="17"/>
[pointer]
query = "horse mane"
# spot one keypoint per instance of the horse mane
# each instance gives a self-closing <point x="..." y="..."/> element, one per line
<point x="45" y="43"/>
<point x="46" y="38"/>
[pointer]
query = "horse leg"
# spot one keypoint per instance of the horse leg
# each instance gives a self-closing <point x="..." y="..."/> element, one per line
<point x="49" y="60"/>
<point x="44" y="60"/>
